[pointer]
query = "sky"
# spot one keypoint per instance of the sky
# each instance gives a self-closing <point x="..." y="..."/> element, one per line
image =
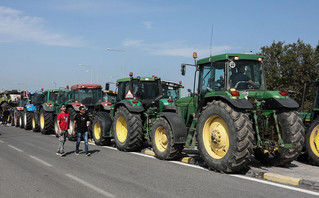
<point x="54" y="43"/>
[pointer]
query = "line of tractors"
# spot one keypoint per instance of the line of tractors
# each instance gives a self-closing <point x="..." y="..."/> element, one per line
<point x="226" y="118"/>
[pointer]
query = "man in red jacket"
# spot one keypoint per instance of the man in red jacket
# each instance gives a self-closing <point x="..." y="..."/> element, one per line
<point x="63" y="126"/>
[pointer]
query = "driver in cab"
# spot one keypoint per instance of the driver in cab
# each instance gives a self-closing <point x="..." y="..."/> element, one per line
<point x="240" y="80"/>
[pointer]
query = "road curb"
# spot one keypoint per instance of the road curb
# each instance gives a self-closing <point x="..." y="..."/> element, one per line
<point x="283" y="179"/>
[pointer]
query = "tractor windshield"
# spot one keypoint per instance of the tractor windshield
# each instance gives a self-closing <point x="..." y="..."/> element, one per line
<point x="62" y="97"/>
<point x="240" y="74"/>
<point x="109" y="97"/>
<point x="170" y="91"/>
<point x="37" y="98"/>
<point x="246" y="75"/>
<point x="146" y="90"/>
<point x="89" y="96"/>
<point x="53" y="97"/>
<point x="212" y="77"/>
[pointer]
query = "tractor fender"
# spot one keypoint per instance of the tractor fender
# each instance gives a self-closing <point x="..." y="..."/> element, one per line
<point x="48" y="108"/>
<point x="278" y="103"/>
<point x="30" y="107"/>
<point x="178" y="126"/>
<point x="75" y="106"/>
<point x="129" y="106"/>
<point x="237" y="103"/>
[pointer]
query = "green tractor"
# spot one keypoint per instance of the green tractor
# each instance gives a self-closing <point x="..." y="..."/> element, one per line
<point x="311" y="121"/>
<point x="233" y="115"/>
<point x="141" y="113"/>
<point x="101" y="124"/>
<point x="45" y="117"/>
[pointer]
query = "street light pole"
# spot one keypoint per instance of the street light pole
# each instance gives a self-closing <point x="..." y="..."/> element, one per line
<point x="124" y="54"/>
<point x="89" y="66"/>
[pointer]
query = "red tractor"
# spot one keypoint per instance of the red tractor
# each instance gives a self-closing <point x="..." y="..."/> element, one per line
<point x="89" y="96"/>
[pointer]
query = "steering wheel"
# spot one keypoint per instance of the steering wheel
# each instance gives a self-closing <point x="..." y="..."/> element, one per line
<point x="241" y="82"/>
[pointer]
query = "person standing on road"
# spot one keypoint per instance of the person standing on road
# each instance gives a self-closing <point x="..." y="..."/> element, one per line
<point x="63" y="126"/>
<point x="82" y="121"/>
<point x="5" y="116"/>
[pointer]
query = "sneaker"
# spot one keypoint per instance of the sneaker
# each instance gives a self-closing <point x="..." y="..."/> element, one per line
<point x="62" y="154"/>
<point x="77" y="152"/>
<point x="88" y="154"/>
<point x="57" y="153"/>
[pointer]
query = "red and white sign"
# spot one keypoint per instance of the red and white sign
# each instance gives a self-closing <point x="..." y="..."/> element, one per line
<point x="129" y="95"/>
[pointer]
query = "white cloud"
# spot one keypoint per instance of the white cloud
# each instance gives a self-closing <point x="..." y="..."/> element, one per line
<point x="176" y="48"/>
<point x="148" y="24"/>
<point x="16" y="27"/>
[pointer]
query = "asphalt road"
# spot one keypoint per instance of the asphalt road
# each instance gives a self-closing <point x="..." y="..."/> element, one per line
<point x="29" y="167"/>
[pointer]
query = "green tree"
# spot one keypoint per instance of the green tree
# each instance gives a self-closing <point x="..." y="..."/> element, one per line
<point x="289" y="66"/>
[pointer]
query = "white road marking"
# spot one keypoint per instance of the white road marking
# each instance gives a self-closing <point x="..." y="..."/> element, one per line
<point x="109" y="147"/>
<point x="15" y="148"/>
<point x="190" y="165"/>
<point x="40" y="160"/>
<point x="1" y="141"/>
<point x="276" y="184"/>
<point x="142" y="154"/>
<point x="107" y="194"/>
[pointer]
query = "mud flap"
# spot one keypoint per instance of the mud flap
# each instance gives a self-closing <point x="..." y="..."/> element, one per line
<point x="178" y="126"/>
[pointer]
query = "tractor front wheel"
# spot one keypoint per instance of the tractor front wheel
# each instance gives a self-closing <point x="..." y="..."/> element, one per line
<point x="225" y="137"/>
<point x="163" y="142"/>
<point x="292" y="132"/>
<point x="312" y="142"/>
<point x="127" y="128"/>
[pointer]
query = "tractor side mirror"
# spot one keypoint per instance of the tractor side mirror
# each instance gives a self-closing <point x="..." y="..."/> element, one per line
<point x="183" y="70"/>
<point x="107" y="86"/>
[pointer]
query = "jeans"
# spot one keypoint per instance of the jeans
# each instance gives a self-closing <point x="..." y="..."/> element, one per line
<point x="62" y="139"/>
<point x="85" y="137"/>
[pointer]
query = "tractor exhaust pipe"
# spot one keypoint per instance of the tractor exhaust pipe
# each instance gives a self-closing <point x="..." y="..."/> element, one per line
<point x="303" y="97"/>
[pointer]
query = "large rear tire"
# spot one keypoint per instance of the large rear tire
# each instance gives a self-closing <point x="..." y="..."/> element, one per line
<point x="101" y="125"/>
<point x="225" y="137"/>
<point x="128" y="133"/>
<point x="292" y="132"/>
<point x="312" y="142"/>
<point x="163" y="141"/>
<point x="27" y="120"/>
<point x="46" y="122"/>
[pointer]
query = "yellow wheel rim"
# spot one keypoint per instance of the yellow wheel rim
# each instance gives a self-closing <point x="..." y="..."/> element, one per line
<point x="97" y="131"/>
<point x="216" y="137"/>
<point x="42" y="120"/>
<point x="121" y="129"/>
<point x="314" y="140"/>
<point x="33" y="123"/>
<point x="161" y="139"/>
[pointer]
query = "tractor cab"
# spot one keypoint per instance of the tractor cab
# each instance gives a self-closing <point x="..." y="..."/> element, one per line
<point x="147" y="90"/>
<point x="36" y="98"/>
<point x="109" y="96"/>
<point x="88" y="95"/>
<point x="172" y="90"/>
<point x="226" y="71"/>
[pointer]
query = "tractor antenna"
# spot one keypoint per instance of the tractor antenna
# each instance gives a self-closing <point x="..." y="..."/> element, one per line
<point x="211" y="40"/>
